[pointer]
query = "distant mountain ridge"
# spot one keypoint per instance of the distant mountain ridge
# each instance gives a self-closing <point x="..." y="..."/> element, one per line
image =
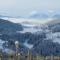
<point x="44" y="15"/>
<point x="38" y="15"/>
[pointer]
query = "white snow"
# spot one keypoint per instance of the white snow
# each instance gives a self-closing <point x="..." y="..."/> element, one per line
<point x="30" y="46"/>
<point x="32" y="30"/>
<point x="1" y="43"/>
<point x="8" y="51"/>
<point x="57" y="40"/>
<point x="54" y="36"/>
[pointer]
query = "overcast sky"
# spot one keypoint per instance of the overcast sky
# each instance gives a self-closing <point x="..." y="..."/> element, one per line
<point x="24" y="7"/>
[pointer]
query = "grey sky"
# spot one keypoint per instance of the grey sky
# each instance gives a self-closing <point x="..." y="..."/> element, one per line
<point x="24" y="7"/>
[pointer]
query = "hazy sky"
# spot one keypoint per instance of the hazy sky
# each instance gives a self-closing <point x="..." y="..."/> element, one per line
<point x="24" y="7"/>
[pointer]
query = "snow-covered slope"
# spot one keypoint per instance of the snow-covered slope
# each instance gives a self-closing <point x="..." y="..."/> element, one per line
<point x="39" y="31"/>
<point x="54" y="21"/>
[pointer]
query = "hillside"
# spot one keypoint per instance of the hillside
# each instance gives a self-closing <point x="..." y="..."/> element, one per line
<point x="54" y="25"/>
<point x="8" y="27"/>
<point x="43" y="41"/>
<point x="54" y="21"/>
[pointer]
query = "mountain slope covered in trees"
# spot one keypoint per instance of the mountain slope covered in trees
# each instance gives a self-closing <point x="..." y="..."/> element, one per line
<point x="44" y="42"/>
